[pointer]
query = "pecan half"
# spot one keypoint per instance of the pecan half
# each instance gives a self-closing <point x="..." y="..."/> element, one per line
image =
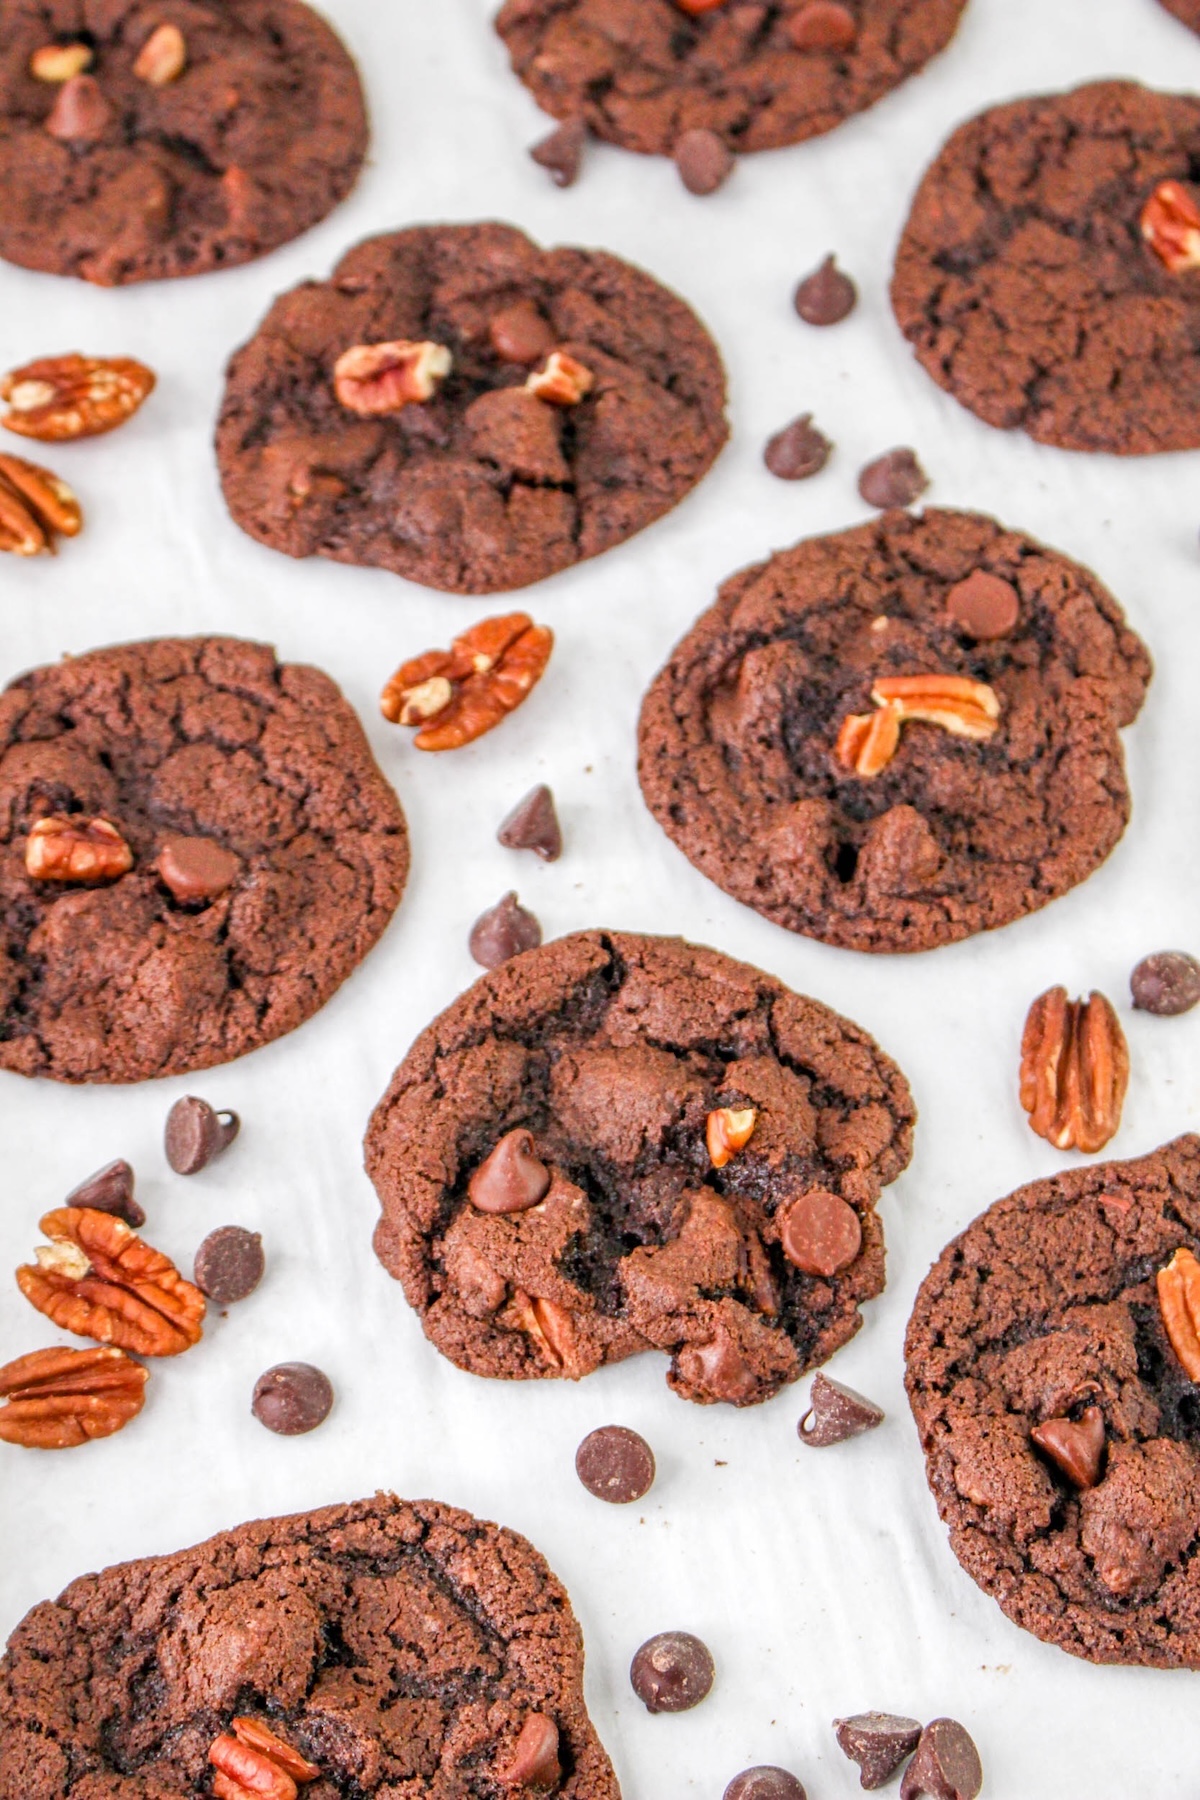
<point x="1074" y="1070"/>
<point x="62" y="397"/>
<point x="56" y="63"/>
<point x="550" y="1326"/>
<point x="69" y="847"/>
<point x="59" y="1398"/>
<point x="563" y="382"/>
<point x="867" y="742"/>
<point x="163" y="57"/>
<point x="372" y="379"/>
<point x="1179" y="1302"/>
<point x="1170" y="224"/>
<point x="458" y="694"/>
<point x="728" y="1130"/>
<point x="251" y="1760"/>
<point x="98" y="1279"/>
<point x="534" y="1761"/>
<point x="35" y="506"/>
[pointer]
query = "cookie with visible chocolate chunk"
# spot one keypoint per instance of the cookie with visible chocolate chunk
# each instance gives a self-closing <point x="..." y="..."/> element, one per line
<point x="396" y="1646"/>
<point x="898" y="735"/>
<point x="196" y="850"/>
<point x="149" y="138"/>
<point x="643" y="72"/>
<point x="482" y="470"/>
<point x="1061" y="1431"/>
<point x="618" y="1143"/>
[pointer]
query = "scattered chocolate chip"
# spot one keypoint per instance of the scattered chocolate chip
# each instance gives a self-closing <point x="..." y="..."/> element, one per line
<point x="826" y="296"/>
<point x="615" y="1464"/>
<point x="512" y="1178"/>
<point x="110" y="1190"/>
<point x="229" y="1264"/>
<point x="765" y="1783"/>
<point x="798" y="451"/>
<point x="896" y="479"/>
<point x="1166" y="983"/>
<point x="521" y="333"/>
<point x="80" y="113"/>
<point x="1076" y="1446"/>
<point x="195" y="1133"/>
<point x="672" y="1672"/>
<point x="562" y="152"/>
<point x="503" y="931"/>
<point x="878" y="1742"/>
<point x="836" y="1413"/>
<point x="822" y="25"/>
<point x="704" y="160"/>
<point x="820" y="1233"/>
<point x="533" y="825"/>
<point x="197" y="869"/>
<point x="291" y="1398"/>
<point x="946" y="1765"/>
<point x="984" y="606"/>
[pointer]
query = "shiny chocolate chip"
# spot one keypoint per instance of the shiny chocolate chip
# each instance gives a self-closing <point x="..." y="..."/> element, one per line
<point x="820" y="1233"/>
<point x="836" y="1413"/>
<point x="765" y="1783"/>
<point x="1076" y="1446"/>
<point x="561" y="154"/>
<point x="1166" y="983"/>
<point x="703" y="159"/>
<point x="229" y="1264"/>
<point x="895" y="479"/>
<point x="878" y="1742"/>
<point x="292" y="1398"/>
<point x="533" y="825"/>
<point x="672" y="1672"/>
<point x="521" y="334"/>
<point x="822" y="25"/>
<point x="195" y="1133"/>
<point x="826" y="296"/>
<point x="984" y="606"/>
<point x="798" y="451"/>
<point x="615" y="1464"/>
<point x="502" y="932"/>
<point x="512" y="1178"/>
<point x="946" y="1765"/>
<point x="110" y="1190"/>
<point x="197" y="869"/>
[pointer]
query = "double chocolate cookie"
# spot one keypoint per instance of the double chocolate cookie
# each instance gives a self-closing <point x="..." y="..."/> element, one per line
<point x="196" y="849"/>
<point x="759" y="73"/>
<point x="1053" y="1363"/>
<point x="147" y="138"/>
<point x="468" y="410"/>
<point x="898" y="735"/>
<point x="1186" y="10"/>
<point x="382" y="1648"/>
<point x="1046" y="277"/>
<point x="614" y="1144"/>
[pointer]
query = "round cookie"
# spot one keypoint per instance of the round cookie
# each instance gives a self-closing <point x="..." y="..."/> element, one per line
<point x="741" y="732"/>
<point x="121" y="175"/>
<point x="642" y="72"/>
<point x="401" y="1647"/>
<point x="1026" y="287"/>
<point x="1043" y="1316"/>
<point x="607" y="1081"/>
<point x="485" y="486"/>
<point x="1187" y="11"/>
<point x="263" y="851"/>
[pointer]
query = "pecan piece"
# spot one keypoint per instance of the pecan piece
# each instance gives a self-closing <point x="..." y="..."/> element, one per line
<point x="563" y="382"/>
<point x="98" y="1279"/>
<point x="69" y="847"/>
<point x="1179" y="1302"/>
<point x="866" y="743"/>
<point x="1170" y="224"/>
<point x="34" y="506"/>
<point x="1074" y="1070"/>
<point x="373" y="379"/>
<point x="252" y="1761"/>
<point x="59" y="1398"/>
<point x="728" y="1130"/>
<point x="163" y="57"/>
<point x="56" y="63"/>
<point x="62" y="397"/>
<point x="551" y="1328"/>
<point x="485" y="674"/>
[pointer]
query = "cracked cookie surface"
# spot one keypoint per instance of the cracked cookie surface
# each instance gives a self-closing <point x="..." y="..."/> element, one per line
<point x="399" y="1646"/>
<point x="612" y="1050"/>
<point x="739" y="731"/>
<point x="1026" y="288"/>
<point x="261" y="134"/>
<point x="173" y="740"/>
<point x="484" y="487"/>
<point x="1043" y="1308"/>
<point x="642" y="72"/>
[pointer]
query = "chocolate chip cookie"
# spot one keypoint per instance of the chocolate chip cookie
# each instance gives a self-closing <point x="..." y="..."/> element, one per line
<point x="616" y="1143"/>
<point x="196" y="849"/>
<point x="382" y="1648"/>
<point x="147" y="138"/>
<point x="1034" y="284"/>
<point x="1060" y="1426"/>
<point x="759" y="74"/>
<point x="898" y="735"/>
<point x="1186" y="10"/>
<point x="468" y="410"/>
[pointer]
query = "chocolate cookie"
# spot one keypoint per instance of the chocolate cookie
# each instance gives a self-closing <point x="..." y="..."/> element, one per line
<point x="1186" y="10"/>
<point x="616" y="1143"/>
<point x="382" y="1648"/>
<point x="196" y="849"/>
<point x="484" y="482"/>
<point x="1060" y="1428"/>
<point x="1028" y="287"/>
<point x="898" y="735"/>
<point x="758" y="74"/>
<point x="147" y="138"/>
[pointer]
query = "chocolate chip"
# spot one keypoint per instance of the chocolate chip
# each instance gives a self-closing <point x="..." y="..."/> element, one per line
<point x="672" y="1672"/>
<point x="878" y="1742"/>
<point x="836" y="1413"/>
<point x="110" y="1190"/>
<point x="533" y="825"/>
<point x="615" y="1464"/>
<point x="520" y="334"/>
<point x="511" y="1179"/>
<point x="229" y="1264"/>
<point x="718" y="1370"/>
<point x="822" y="25"/>
<point x="946" y="1765"/>
<point x="1166" y="983"/>
<point x="195" y="1133"/>
<point x="503" y="931"/>
<point x="1076" y="1446"/>
<point x="80" y="113"/>
<point x="820" y="1233"/>
<point x="984" y="606"/>
<point x="703" y="159"/>
<point x="291" y="1398"/>
<point x="798" y="451"/>
<point x="826" y="296"/>
<point x="765" y="1783"/>
<point x="562" y="152"/>
<point x="896" y="479"/>
<point x="197" y="869"/>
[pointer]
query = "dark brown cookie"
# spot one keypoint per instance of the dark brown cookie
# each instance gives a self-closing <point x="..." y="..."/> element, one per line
<point x="485" y="485"/>
<point x="742" y="733"/>
<point x="1026" y="286"/>
<point x="1061" y="1432"/>
<point x="1186" y="10"/>
<point x="117" y="978"/>
<point x="619" y="1075"/>
<point x="400" y="1647"/>
<point x="196" y="134"/>
<point x="759" y="75"/>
